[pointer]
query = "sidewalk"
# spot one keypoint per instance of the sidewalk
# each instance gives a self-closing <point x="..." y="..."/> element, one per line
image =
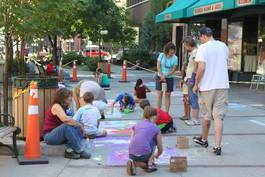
<point x="243" y="142"/>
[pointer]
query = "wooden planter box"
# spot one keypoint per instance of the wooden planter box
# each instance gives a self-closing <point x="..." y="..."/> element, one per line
<point x="47" y="88"/>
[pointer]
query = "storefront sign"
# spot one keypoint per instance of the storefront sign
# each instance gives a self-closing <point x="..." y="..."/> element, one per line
<point x="244" y="2"/>
<point x="167" y="16"/>
<point x="209" y="8"/>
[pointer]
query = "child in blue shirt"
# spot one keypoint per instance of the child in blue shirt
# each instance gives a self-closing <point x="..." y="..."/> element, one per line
<point x="126" y="101"/>
<point x="89" y="116"/>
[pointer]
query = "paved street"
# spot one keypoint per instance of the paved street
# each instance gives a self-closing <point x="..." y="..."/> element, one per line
<point x="243" y="141"/>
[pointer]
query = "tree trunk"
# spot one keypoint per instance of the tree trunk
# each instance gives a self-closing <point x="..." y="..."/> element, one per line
<point x="21" y="57"/>
<point x="5" y="74"/>
<point x="99" y="45"/>
<point x="53" y="42"/>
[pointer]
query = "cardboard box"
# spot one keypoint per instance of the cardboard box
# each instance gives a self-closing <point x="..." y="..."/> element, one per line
<point x="178" y="164"/>
<point x="182" y="142"/>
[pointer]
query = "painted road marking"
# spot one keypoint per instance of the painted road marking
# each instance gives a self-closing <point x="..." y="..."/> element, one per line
<point x="236" y="106"/>
<point x="257" y="122"/>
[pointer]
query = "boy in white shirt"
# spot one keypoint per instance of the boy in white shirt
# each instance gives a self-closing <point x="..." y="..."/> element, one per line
<point x="89" y="116"/>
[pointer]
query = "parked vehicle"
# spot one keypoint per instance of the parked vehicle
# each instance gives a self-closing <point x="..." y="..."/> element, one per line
<point x="93" y="51"/>
<point x="118" y="56"/>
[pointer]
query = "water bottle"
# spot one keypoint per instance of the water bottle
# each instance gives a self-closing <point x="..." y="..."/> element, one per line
<point x="70" y="112"/>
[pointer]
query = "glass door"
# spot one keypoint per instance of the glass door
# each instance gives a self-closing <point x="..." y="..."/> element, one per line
<point x="235" y="34"/>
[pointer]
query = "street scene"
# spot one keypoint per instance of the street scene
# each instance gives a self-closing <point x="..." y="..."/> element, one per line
<point x="132" y="88"/>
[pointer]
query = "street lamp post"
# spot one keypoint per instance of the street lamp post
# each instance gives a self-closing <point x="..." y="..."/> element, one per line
<point x="102" y="32"/>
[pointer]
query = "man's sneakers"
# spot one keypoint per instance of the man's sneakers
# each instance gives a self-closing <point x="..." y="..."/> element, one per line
<point x="217" y="150"/>
<point x="192" y="122"/>
<point x="85" y="154"/>
<point x="199" y="141"/>
<point x="131" y="170"/>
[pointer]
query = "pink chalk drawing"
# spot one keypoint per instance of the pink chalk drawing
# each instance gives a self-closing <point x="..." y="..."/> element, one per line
<point x="120" y="157"/>
<point x="112" y="141"/>
<point x="117" y="127"/>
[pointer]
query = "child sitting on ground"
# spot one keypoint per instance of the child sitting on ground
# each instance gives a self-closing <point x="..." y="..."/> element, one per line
<point x="89" y="116"/>
<point x="102" y="78"/>
<point x="126" y="101"/>
<point x="140" y="90"/>
<point x="145" y="136"/>
<point x="163" y="120"/>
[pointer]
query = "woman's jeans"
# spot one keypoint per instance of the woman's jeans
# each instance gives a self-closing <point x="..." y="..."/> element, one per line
<point x="68" y="134"/>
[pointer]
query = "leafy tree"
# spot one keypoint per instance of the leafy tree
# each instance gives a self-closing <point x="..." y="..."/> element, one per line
<point x="105" y="15"/>
<point x="55" y="19"/>
<point x="12" y="17"/>
<point x="154" y="36"/>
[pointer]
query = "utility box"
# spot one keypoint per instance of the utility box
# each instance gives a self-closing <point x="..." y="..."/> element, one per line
<point x="182" y="142"/>
<point x="178" y="164"/>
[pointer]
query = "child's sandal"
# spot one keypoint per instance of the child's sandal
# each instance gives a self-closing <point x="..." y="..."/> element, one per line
<point x="151" y="168"/>
<point x="131" y="170"/>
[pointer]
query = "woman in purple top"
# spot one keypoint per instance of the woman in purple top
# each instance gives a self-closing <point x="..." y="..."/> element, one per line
<point x="145" y="137"/>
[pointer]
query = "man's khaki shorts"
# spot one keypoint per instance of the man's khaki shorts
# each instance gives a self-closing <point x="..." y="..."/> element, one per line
<point x="214" y="104"/>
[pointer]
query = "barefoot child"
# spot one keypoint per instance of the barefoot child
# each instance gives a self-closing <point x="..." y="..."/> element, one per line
<point x="145" y="137"/>
<point x="140" y="90"/>
<point x="89" y="116"/>
<point x="126" y="101"/>
<point x="185" y="91"/>
<point x="163" y="120"/>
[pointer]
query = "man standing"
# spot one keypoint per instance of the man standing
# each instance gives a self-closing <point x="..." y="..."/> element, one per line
<point x="213" y="84"/>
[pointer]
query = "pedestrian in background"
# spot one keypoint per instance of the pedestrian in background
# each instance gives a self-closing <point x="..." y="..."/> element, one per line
<point x="166" y="66"/>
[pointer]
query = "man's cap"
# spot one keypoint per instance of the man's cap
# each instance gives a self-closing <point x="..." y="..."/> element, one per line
<point x="206" y="31"/>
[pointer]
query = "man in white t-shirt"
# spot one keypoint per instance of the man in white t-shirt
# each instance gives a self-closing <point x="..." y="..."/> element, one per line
<point x="213" y="84"/>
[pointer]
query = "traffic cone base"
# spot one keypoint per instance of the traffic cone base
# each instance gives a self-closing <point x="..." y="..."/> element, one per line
<point x="32" y="161"/>
<point x="124" y="81"/>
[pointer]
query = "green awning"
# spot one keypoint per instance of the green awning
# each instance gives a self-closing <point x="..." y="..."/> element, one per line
<point x="242" y="3"/>
<point x="175" y="11"/>
<point x="210" y="6"/>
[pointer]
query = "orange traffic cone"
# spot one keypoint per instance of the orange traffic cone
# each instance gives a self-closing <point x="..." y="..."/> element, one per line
<point x="109" y="70"/>
<point x="32" y="149"/>
<point x="124" y="72"/>
<point x="74" y="72"/>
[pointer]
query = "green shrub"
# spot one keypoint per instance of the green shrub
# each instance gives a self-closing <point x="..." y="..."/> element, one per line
<point x="16" y="65"/>
<point x="72" y="55"/>
<point x="92" y="63"/>
<point x="137" y="53"/>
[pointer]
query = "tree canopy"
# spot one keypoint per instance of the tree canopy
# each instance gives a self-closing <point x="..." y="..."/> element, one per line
<point x="154" y="36"/>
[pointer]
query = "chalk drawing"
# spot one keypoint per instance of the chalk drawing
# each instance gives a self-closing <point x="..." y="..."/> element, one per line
<point x="120" y="157"/>
<point x="112" y="141"/>
<point x="148" y="84"/>
<point x="112" y="115"/>
<point x="123" y="124"/>
<point x="117" y="127"/>
<point x="97" y="158"/>
<point x="258" y="122"/>
<point x="236" y="106"/>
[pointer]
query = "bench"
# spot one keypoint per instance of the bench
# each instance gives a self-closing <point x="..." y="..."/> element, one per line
<point x="7" y="129"/>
